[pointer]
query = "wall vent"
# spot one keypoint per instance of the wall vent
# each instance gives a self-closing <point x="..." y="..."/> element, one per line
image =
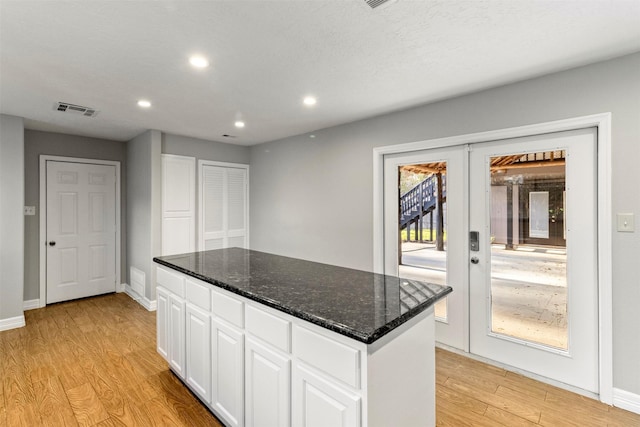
<point x="376" y="3"/>
<point x="65" y="107"/>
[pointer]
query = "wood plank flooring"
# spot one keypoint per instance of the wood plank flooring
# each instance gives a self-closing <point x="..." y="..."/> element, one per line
<point x="93" y="362"/>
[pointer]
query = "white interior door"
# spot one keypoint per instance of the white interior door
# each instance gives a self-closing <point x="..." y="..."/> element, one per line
<point x="426" y="262"/>
<point x="224" y="206"/>
<point x="178" y="204"/>
<point x="533" y="279"/>
<point x="81" y="230"/>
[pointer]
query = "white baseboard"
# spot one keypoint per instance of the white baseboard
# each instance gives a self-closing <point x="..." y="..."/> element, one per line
<point x="31" y="304"/>
<point x="143" y="301"/>
<point x="120" y="287"/>
<point x="12" y="323"/>
<point x="626" y="400"/>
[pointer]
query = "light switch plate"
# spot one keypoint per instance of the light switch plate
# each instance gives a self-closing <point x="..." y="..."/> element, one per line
<point x="626" y="222"/>
<point x="29" y="210"/>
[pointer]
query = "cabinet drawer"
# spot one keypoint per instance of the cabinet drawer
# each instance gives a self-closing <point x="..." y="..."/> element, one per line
<point x="270" y="328"/>
<point x="173" y="282"/>
<point x="336" y="359"/>
<point x="227" y="308"/>
<point x="198" y="294"/>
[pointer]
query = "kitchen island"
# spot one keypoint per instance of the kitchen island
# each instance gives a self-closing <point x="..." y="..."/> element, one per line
<point x="269" y="340"/>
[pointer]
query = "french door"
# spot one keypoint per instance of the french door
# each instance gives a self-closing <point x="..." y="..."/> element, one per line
<point x="520" y="221"/>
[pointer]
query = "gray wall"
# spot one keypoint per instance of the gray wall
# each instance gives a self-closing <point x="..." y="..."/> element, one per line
<point x="204" y="150"/>
<point x="11" y="217"/>
<point x="312" y="198"/>
<point x="37" y="143"/>
<point x="144" y="208"/>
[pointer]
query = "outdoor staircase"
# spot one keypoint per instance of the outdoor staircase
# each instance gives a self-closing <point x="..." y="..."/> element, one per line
<point x="420" y="200"/>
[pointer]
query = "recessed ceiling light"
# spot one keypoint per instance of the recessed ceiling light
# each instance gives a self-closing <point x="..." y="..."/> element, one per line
<point x="144" y="103"/>
<point x="199" y="61"/>
<point x="239" y="124"/>
<point x="309" y="100"/>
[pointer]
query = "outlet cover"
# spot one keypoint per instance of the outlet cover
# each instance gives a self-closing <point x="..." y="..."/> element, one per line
<point x="626" y="222"/>
<point x="30" y="210"/>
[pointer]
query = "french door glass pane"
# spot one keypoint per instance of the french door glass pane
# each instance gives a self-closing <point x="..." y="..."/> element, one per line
<point x="528" y="248"/>
<point x="423" y="226"/>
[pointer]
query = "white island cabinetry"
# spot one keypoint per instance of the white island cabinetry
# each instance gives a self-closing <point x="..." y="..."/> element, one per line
<point x="254" y="365"/>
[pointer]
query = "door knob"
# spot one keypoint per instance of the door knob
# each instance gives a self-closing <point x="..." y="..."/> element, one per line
<point x="475" y="260"/>
<point x="52" y="243"/>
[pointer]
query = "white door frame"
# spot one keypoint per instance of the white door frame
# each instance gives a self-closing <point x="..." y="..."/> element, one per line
<point x="605" y="299"/>
<point x="43" y="217"/>
<point x="200" y="200"/>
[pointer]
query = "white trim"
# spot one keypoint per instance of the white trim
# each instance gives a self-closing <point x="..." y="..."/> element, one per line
<point x="626" y="400"/>
<point x="12" y="323"/>
<point x="200" y="199"/>
<point x="30" y="304"/>
<point x="143" y="301"/>
<point x="605" y="296"/>
<point x="43" y="216"/>
<point x="121" y="287"/>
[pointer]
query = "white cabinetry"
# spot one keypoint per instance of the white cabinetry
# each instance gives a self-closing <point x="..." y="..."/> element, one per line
<point x="318" y="401"/>
<point x="198" y="348"/>
<point x="268" y="392"/>
<point x="162" y="327"/>
<point x="170" y="319"/>
<point x="176" y="346"/>
<point x="228" y="372"/>
<point x="256" y="366"/>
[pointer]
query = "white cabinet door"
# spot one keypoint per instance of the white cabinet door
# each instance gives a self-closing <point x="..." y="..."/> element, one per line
<point x="319" y="402"/>
<point x="268" y="391"/>
<point x="178" y="204"/>
<point x="162" y="317"/>
<point x="198" y="349"/>
<point x="227" y="345"/>
<point x="176" y="335"/>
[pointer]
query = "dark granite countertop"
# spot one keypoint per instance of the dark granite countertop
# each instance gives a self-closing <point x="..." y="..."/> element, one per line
<point x="358" y="304"/>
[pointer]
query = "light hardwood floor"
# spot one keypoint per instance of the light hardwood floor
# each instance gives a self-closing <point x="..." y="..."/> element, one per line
<point x="93" y="362"/>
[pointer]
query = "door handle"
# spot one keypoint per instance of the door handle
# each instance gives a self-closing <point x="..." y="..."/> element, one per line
<point x="52" y="243"/>
<point x="474" y="260"/>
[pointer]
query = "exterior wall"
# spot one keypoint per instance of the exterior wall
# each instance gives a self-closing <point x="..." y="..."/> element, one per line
<point x="312" y="198"/>
<point x="37" y="143"/>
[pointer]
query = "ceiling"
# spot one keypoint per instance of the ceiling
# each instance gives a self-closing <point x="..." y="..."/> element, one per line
<point x="265" y="56"/>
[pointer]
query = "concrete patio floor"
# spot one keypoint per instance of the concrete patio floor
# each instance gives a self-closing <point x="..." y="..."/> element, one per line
<point x="529" y="294"/>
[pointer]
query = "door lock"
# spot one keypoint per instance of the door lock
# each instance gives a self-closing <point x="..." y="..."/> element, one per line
<point x="474" y="260"/>
<point x="474" y="241"/>
<point x="52" y="243"/>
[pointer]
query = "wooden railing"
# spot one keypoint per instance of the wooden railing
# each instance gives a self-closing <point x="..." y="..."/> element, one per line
<point x="420" y="200"/>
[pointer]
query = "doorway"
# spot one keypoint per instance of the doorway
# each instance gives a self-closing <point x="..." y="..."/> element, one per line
<point x="526" y="217"/>
<point x="79" y="228"/>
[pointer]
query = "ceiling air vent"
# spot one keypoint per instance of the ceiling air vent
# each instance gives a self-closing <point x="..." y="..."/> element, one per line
<point x="65" y="107"/>
<point x="376" y="3"/>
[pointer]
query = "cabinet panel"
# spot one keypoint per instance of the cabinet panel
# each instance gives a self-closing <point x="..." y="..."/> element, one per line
<point x="319" y="402"/>
<point x="272" y="329"/>
<point x="268" y="391"/>
<point x="229" y="308"/>
<point x="337" y="359"/>
<point x="228" y="372"/>
<point x="162" y="319"/>
<point x="198" y="294"/>
<point x="173" y="282"/>
<point x="198" y="348"/>
<point x="176" y="335"/>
